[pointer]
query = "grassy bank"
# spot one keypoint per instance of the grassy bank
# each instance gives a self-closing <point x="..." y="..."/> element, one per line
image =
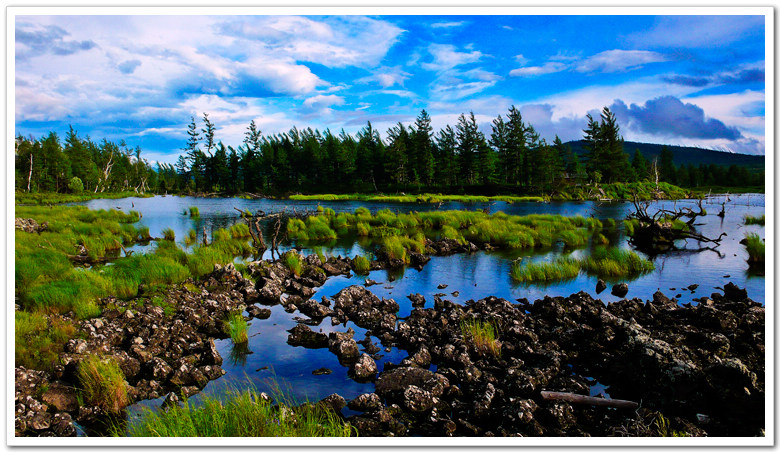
<point x="396" y="234"/>
<point x="616" y="191"/>
<point x="59" y="198"/>
<point x="241" y="414"/>
<point x="48" y="283"/>
<point x="608" y="263"/>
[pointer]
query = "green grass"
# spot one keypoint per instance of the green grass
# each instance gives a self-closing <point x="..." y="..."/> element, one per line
<point x="194" y="212"/>
<point x="614" y="263"/>
<point x="191" y="237"/>
<point x="240" y="414"/>
<point x="292" y="260"/>
<point x="103" y="383"/>
<point x="168" y="234"/>
<point x="143" y="234"/>
<point x="559" y="270"/>
<point x="236" y="327"/>
<point x="749" y="219"/>
<point x="48" y="283"/>
<point x="482" y="335"/>
<point x="362" y="265"/>
<point x="58" y="198"/>
<point x="755" y="248"/>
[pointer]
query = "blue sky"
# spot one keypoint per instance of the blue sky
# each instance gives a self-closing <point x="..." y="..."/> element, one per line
<point x="689" y="80"/>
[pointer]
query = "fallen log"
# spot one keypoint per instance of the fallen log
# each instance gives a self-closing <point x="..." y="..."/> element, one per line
<point x="587" y="400"/>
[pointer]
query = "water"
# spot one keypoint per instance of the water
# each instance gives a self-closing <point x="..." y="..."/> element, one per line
<point x="273" y="362"/>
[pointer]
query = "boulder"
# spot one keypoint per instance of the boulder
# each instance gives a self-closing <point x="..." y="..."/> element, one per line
<point x="620" y="290"/>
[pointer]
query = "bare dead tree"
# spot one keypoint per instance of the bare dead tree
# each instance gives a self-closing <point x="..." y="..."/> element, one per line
<point x="29" y="178"/>
<point x="658" y="232"/>
<point x="205" y="236"/>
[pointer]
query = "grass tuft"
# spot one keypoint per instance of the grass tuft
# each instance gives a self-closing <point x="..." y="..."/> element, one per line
<point x="755" y="248"/>
<point x="194" y="212"/>
<point x="561" y="269"/>
<point x="362" y="265"/>
<point x="482" y="335"/>
<point x="755" y="220"/>
<point x="237" y="328"/>
<point x="168" y="234"/>
<point x="103" y="383"/>
<point x="292" y="260"/>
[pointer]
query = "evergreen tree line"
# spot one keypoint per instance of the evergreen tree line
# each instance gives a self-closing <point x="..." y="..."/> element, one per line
<point x="513" y="159"/>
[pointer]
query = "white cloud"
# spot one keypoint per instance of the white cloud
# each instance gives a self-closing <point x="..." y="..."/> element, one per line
<point x="447" y="24"/>
<point x="531" y="71"/>
<point x="445" y="57"/>
<point x="698" y="31"/>
<point x="386" y="76"/>
<point x="618" y="60"/>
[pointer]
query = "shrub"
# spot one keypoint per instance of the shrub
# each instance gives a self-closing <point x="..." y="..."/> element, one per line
<point x="482" y="335"/>
<point x="76" y="186"/>
<point x="103" y="383"/>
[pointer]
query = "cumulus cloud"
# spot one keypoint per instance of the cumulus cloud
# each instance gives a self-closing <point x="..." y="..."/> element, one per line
<point x="668" y="116"/>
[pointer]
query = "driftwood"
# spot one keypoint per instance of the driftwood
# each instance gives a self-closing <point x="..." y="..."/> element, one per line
<point x="587" y="400"/>
<point x="656" y="233"/>
<point x="205" y="237"/>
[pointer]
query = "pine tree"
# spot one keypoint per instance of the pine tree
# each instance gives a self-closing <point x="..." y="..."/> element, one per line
<point x="423" y="148"/>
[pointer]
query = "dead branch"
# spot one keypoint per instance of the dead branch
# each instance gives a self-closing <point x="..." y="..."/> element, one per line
<point x="587" y="400"/>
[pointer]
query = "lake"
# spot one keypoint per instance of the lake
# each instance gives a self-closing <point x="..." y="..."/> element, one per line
<point x="272" y="361"/>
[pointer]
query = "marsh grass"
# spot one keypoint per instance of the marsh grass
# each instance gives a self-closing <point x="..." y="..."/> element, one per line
<point x="143" y="234"/>
<point x="561" y="269"/>
<point x="191" y="237"/>
<point x="168" y="234"/>
<point x="194" y="212"/>
<point x="362" y="265"/>
<point x="237" y="327"/>
<point x="482" y="335"/>
<point x="58" y="198"/>
<point x="607" y="262"/>
<point x="749" y="219"/>
<point x="240" y="414"/>
<point x="755" y="248"/>
<point x="103" y="383"/>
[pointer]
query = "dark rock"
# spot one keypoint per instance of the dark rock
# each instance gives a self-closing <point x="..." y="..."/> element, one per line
<point x="417" y="299"/>
<point x="620" y="290"/>
<point x="322" y="371"/>
<point x="417" y="399"/>
<point x="313" y="309"/>
<point x="258" y="312"/>
<point x="343" y="346"/>
<point x="334" y="401"/>
<point x="302" y="336"/>
<point x="601" y="286"/>
<point x="62" y="397"/>
<point x="392" y="383"/>
<point x="62" y="425"/>
<point x="370" y="282"/>
<point x="441" y="286"/>
<point x="365" y="402"/>
<point x="734" y="293"/>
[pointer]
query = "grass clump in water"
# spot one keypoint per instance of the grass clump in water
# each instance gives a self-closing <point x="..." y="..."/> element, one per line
<point x="362" y="265"/>
<point x="194" y="212"/>
<point x="749" y="219"/>
<point x="482" y="335"/>
<point x="237" y="328"/>
<point x="755" y="248"/>
<point x="168" y="234"/>
<point x="191" y="237"/>
<point x="241" y="414"/>
<point x="559" y="270"/>
<point x="616" y="263"/>
<point x="103" y="383"/>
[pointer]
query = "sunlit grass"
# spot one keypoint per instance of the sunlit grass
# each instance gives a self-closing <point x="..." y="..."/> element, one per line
<point x="755" y="248"/>
<point x="559" y="270"/>
<point x="482" y="335"/>
<point x="237" y="328"/>
<point x="103" y="383"/>
<point x="749" y="219"/>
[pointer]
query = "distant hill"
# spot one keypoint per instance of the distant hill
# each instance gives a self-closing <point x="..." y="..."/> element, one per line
<point x="684" y="155"/>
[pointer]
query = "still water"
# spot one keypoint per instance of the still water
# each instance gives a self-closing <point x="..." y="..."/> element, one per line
<point x="270" y="361"/>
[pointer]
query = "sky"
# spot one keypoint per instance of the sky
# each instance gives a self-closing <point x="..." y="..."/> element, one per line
<point x="685" y="80"/>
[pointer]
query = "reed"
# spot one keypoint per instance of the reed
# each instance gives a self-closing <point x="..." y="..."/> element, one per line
<point x="755" y="248"/>
<point x="103" y="383"/>
<point x="194" y="212"/>
<point x="561" y="269"/>
<point x="749" y="219"/>
<point x="482" y="335"/>
<point x="237" y="328"/>
<point x="362" y="265"/>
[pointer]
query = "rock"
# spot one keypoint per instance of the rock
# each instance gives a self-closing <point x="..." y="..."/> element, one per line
<point x="62" y="425"/>
<point x="421" y="358"/>
<point x="343" y="346"/>
<point x="322" y="371"/>
<point x="620" y="290"/>
<point x="30" y="225"/>
<point x="313" y="309"/>
<point x="258" y="312"/>
<point x="364" y="368"/>
<point x="211" y="354"/>
<point x="455" y="294"/>
<point x="693" y="287"/>
<point x="366" y="309"/>
<point x="302" y="336"/>
<point x="159" y="369"/>
<point x="334" y="401"/>
<point x="734" y="293"/>
<point x="370" y="282"/>
<point x="62" y="397"/>
<point x="393" y="382"/>
<point x="365" y="402"/>
<point x="417" y="299"/>
<point x="417" y="399"/>
<point x="441" y="286"/>
<point x="171" y="400"/>
<point x="601" y="286"/>
<point x="41" y="420"/>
